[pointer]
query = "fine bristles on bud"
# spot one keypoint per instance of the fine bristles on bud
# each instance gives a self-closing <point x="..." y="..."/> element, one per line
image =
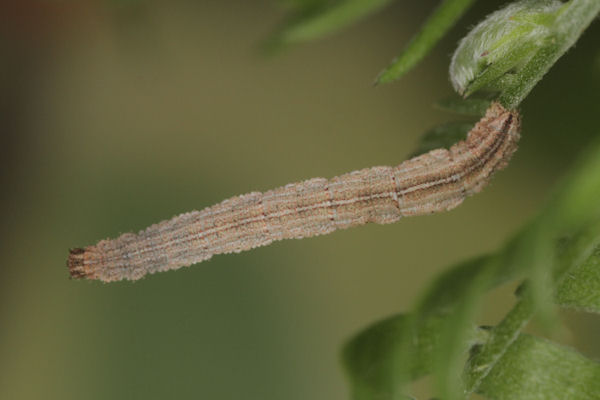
<point x="501" y="44"/>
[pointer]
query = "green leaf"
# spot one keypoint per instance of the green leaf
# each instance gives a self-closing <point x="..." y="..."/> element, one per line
<point x="580" y="288"/>
<point x="321" y="21"/>
<point x="450" y="287"/>
<point x="455" y="332"/>
<point x="575" y="204"/>
<point x="387" y="355"/>
<point x="455" y="294"/>
<point x="535" y="369"/>
<point x="501" y="338"/>
<point x="373" y="358"/>
<point x="572" y="209"/>
<point x="380" y="360"/>
<point x="436" y="26"/>
<point x="574" y="252"/>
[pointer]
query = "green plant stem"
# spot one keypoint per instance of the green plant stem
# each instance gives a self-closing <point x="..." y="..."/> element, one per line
<point x="569" y="26"/>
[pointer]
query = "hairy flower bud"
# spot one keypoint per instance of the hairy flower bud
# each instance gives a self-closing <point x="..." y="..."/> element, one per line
<point x="501" y="44"/>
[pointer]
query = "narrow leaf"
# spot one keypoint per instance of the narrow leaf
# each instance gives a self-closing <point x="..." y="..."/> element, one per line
<point x="325" y="20"/>
<point x="436" y="26"/>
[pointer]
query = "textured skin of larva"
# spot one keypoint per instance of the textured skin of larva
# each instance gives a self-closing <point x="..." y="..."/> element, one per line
<point x="436" y="181"/>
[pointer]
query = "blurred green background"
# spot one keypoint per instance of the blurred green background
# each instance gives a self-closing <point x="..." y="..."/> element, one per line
<point x="116" y="115"/>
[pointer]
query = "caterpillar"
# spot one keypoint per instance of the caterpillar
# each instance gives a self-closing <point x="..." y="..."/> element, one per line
<point x="433" y="182"/>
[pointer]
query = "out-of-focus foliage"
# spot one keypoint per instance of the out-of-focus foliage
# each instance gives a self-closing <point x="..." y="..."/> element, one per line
<point x="556" y="255"/>
<point x="438" y="24"/>
<point x="574" y="251"/>
<point x="312" y="19"/>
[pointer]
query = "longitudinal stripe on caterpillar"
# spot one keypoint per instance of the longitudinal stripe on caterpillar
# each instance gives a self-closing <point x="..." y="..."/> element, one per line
<point x="433" y="182"/>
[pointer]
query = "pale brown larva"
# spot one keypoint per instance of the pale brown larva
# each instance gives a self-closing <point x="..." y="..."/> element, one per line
<point x="436" y="181"/>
